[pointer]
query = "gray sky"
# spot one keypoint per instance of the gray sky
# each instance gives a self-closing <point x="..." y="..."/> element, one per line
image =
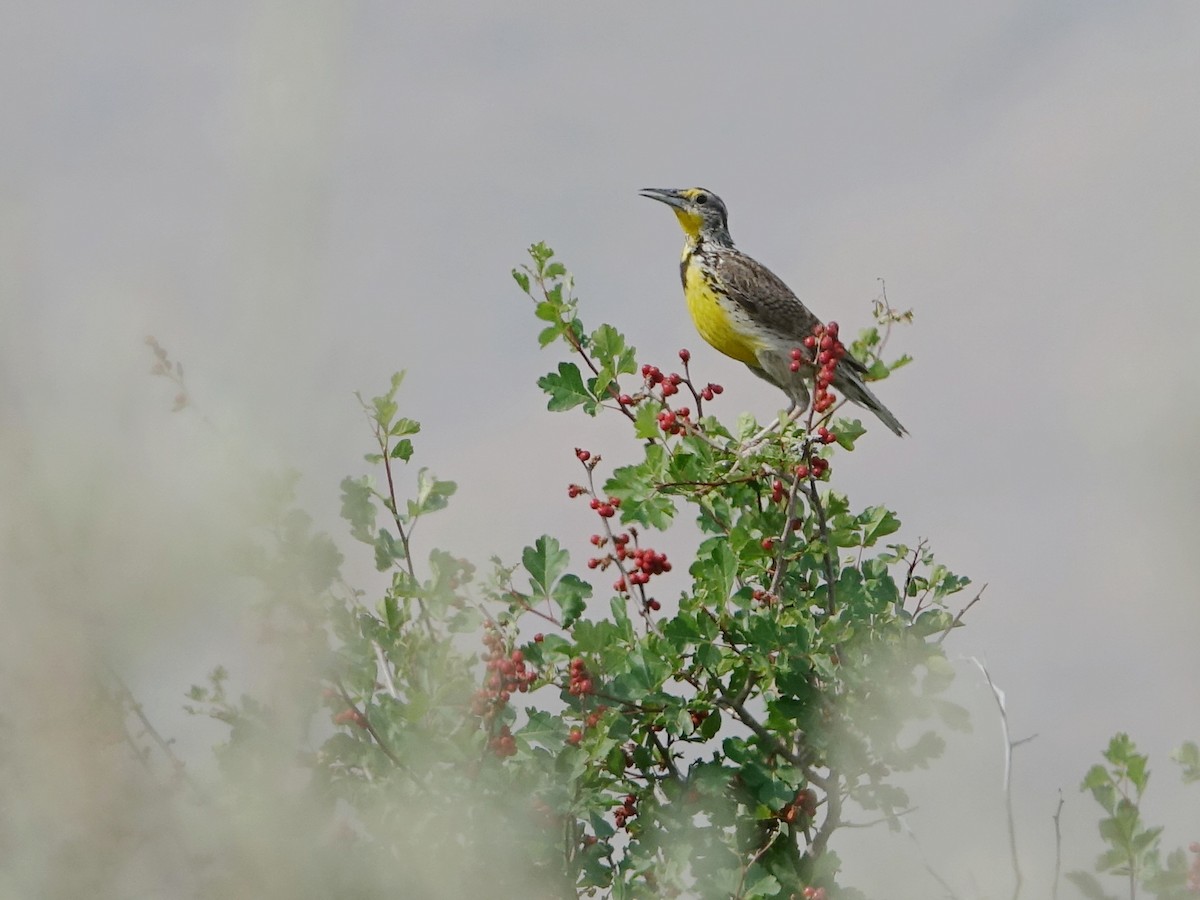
<point x="299" y="198"/>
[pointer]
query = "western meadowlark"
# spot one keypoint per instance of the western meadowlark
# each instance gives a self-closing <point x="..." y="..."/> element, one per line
<point x="745" y="310"/>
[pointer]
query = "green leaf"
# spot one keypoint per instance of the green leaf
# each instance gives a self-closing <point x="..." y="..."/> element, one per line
<point x="570" y="594"/>
<point x="608" y="345"/>
<point x="1188" y="757"/>
<point x="761" y="883"/>
<point x="645" y="422"/>
<point x="432" y="494"/>
<point x="545" y="561"/>
<point x="848" y="432"/>
<point x="635" y="486"/>
<point x="544" y="729"/>
<point x="566" y="388"/>
<point x="714" y="570"/>
<point x="402" y="426"/>
<point x="358" y="508"/>
<point x="1089" y="886"/>
<point x="615" y="761"/>
<point x="878" y="522"/>
<point x="403" y="450"/>
<point x="522" y="279"/>
<point x="386" y="550"/>
<point x="541" y="255"/>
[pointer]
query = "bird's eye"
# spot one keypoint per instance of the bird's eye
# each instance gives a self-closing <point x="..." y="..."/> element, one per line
<point x="702" y="199"/>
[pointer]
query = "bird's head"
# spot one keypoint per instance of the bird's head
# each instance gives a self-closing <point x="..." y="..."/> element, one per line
<point x="701" y="212"/>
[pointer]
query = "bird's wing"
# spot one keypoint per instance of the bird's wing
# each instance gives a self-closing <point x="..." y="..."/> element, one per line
<point x="767" y="299"/>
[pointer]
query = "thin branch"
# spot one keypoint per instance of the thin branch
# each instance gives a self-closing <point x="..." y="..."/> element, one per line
<point x="386" y="670"/>
<point x="1009" y="744"/>
<point x="131" y="704"/>
<point x="361" y="717"/>
<point x="881" y="820"/>
<point x="780" y="568"/>
<point x="957" y="620"/>
<point x="925" y="862"/>
<point x="827" y="557"/>
<point x="755" y="858"/>
<point x="1057" y="845"/>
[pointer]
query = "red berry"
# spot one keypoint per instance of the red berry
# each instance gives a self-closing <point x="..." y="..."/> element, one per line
<point x="574" y="736"/>
<point x="625" y="400"/>
<point x="717" y="389"/>
<point x="768" y="544"/>
<point x="685" y="355"/>
<point x="584" y="455"/>
<point x="538" y="638"/>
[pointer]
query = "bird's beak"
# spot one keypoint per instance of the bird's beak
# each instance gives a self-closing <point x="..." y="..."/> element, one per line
<point x="664" y="195"/>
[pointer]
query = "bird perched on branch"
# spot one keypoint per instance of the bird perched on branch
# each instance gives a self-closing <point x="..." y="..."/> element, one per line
<point x="745" y="310"/>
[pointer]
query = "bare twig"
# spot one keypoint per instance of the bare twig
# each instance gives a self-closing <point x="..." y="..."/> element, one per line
<point x="954" y="623"/>
<point x="130" y="704"/>
<point x="925" y="862"/>
<point x="1009" y="745"/>
<point x="755" y="858"/>
<point x="386" y="670"/>
<point x="1057" y="845"/>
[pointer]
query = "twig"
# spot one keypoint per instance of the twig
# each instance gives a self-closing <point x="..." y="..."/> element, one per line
<point x="925" y="862"/>
<point x="755" y="858"/>
<point x="1009" y="744"/>
<point x="361" y="717"/>
<point x="386" y="670"/>
<point x="1057" y="845"/>
<point x="954" y="623"/>
<point x="131" y="704"/>
<point x="780" y="568"/>
<point x="827" y="557"/>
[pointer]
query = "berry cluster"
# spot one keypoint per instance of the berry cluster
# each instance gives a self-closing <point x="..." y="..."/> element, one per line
<point x="580" y="683"/>
<point x="766" y="598"/>
<point x="660" y="385"/>
<point x="350" y="716"/>
<point x="606" y="509"/>
<point x="675" y="421"/>
<point x="507" y="673"/>
<point x="816" y="467"/>
<point x="778" y="491"/>
<point x="803" y="807"/>
<point x="626" y="811"/>
<point x="638" y="564"/>
<point x="827" y="352"/>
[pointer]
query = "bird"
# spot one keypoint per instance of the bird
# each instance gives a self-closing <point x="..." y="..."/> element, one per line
<point x="745" y="310"/>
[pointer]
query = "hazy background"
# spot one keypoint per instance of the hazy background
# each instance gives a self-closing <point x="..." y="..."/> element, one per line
<point x="298" y="198"/>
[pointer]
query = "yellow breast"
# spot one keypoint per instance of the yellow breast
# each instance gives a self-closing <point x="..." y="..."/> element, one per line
<point x="718" y="319"/>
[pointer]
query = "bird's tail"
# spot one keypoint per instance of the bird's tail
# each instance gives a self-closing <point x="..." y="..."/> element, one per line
<point x="855" y="390"/>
